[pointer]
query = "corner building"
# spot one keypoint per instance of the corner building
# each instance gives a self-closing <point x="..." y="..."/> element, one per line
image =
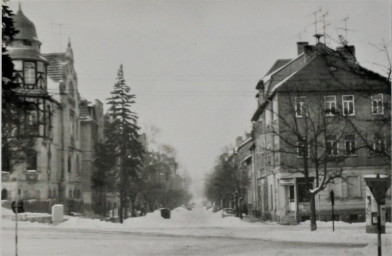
<point x="64" y="126"/>
<point x="325" y="90"/>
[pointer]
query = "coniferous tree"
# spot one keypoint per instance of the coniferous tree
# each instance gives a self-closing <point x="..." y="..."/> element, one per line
<point x="122" y="134"/>
<point x="13" y="110"/>
<point x="102" y="177"/>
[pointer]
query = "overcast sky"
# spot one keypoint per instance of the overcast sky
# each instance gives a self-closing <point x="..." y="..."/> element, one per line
<point x="194" y="65"/>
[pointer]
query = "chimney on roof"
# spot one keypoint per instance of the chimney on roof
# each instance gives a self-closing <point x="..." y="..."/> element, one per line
<point x="301" y="46"/>
<point x="347" y="52"/>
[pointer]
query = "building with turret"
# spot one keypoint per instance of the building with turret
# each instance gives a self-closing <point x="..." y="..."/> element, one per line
<point x="64" y="126"/>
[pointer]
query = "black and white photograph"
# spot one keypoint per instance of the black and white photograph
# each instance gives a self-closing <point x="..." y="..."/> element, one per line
<point x="196" y="127"/>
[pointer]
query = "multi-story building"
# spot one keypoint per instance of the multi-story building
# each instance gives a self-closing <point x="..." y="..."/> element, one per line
<point x="324" y="113"/>
<point x="64" y="128"/>
<point x="243" y="157"/>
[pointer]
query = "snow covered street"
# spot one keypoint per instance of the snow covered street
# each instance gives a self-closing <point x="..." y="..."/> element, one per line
<point x="196" y="232"/>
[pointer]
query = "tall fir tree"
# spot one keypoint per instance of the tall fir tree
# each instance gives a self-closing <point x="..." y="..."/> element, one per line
<point x="122" y="134"/>
<point x="14" y="107"/>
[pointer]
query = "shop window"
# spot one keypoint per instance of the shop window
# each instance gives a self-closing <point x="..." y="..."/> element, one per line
<point x="354" y="217"/>
<point x="303" y="192"/>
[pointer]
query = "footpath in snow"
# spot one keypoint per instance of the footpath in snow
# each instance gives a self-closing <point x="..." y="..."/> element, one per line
<point x="202" y="222"/>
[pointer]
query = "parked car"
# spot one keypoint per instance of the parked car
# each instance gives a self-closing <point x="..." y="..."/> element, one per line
<point x="228" y="212"/>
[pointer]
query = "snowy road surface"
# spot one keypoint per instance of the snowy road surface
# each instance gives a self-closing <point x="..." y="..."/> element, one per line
<point x="196" y="232"/>
<point x="38" y="241"/>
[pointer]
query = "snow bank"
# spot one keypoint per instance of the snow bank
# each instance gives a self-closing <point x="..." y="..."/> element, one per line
<point x="181" y="217"/>
<point x="202" y="222"/>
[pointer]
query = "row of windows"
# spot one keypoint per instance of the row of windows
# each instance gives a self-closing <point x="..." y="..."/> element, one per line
<point x="350" y="185"/>
<point x="347" y="147"/>
<point x="348" y="105"/>
<point x="30" y="74"/>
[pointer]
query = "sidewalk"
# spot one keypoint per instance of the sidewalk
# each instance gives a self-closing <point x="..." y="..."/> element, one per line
<point x="251" y="219"/>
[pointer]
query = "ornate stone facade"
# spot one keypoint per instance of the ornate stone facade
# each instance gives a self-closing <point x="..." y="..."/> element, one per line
<point x="64" y="126"/>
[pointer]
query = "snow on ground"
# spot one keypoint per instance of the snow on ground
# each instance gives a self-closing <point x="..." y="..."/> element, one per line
<point x="201" y="223"/>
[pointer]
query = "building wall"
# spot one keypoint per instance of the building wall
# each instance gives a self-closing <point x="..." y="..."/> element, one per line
<point x="271" y="166"/>
<point x="58" y="176"/>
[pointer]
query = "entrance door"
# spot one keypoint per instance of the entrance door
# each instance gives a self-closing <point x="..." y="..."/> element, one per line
<point x="292" y="198"/>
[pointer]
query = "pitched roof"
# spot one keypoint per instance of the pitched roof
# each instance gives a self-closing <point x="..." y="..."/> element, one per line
<point x="278" y="64"/>
<point x="313" y="67"/>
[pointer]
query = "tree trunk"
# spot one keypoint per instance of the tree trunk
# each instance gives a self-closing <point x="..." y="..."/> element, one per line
<point x="313" y="224"/>
<point x="120" y="211"/>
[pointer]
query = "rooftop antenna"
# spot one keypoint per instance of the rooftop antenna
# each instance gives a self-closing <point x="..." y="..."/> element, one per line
<point x="344" y="40"/>
<point x="345" y="26"/>
<point x="324" y="27"/>
<point x="316" y="34"/>
<point x="60" y="26"/>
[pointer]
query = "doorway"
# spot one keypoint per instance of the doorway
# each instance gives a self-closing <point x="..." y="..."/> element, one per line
<point x="292" y="203"/>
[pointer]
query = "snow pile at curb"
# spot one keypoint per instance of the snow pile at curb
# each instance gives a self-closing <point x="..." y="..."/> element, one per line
<point x="181" y="217"/>
<point x="202" y="222"/>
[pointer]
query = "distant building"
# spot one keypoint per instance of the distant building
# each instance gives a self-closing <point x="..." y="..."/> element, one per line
<point x="289" y="94"/>
<point x="243" y="157"/>
<point x="65" y="127"/>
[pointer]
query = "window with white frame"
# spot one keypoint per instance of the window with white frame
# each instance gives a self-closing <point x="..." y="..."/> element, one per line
<point x="332" y="145"/>
<point x="348" y="105"/>
<point x="349" y="144"/>
<point x="379" y="143"/>
<point x="29" y="72"/>
<point x="377" y="104"/>
<point x="353" y="189"/>
<point x="330" y="105"/>
<point x="300" y="106"/>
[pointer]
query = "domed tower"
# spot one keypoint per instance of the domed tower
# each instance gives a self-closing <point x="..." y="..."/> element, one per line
<point x="31" y="74"/>
<point x="25" y="51"/>
<point x="32" y="177"/>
